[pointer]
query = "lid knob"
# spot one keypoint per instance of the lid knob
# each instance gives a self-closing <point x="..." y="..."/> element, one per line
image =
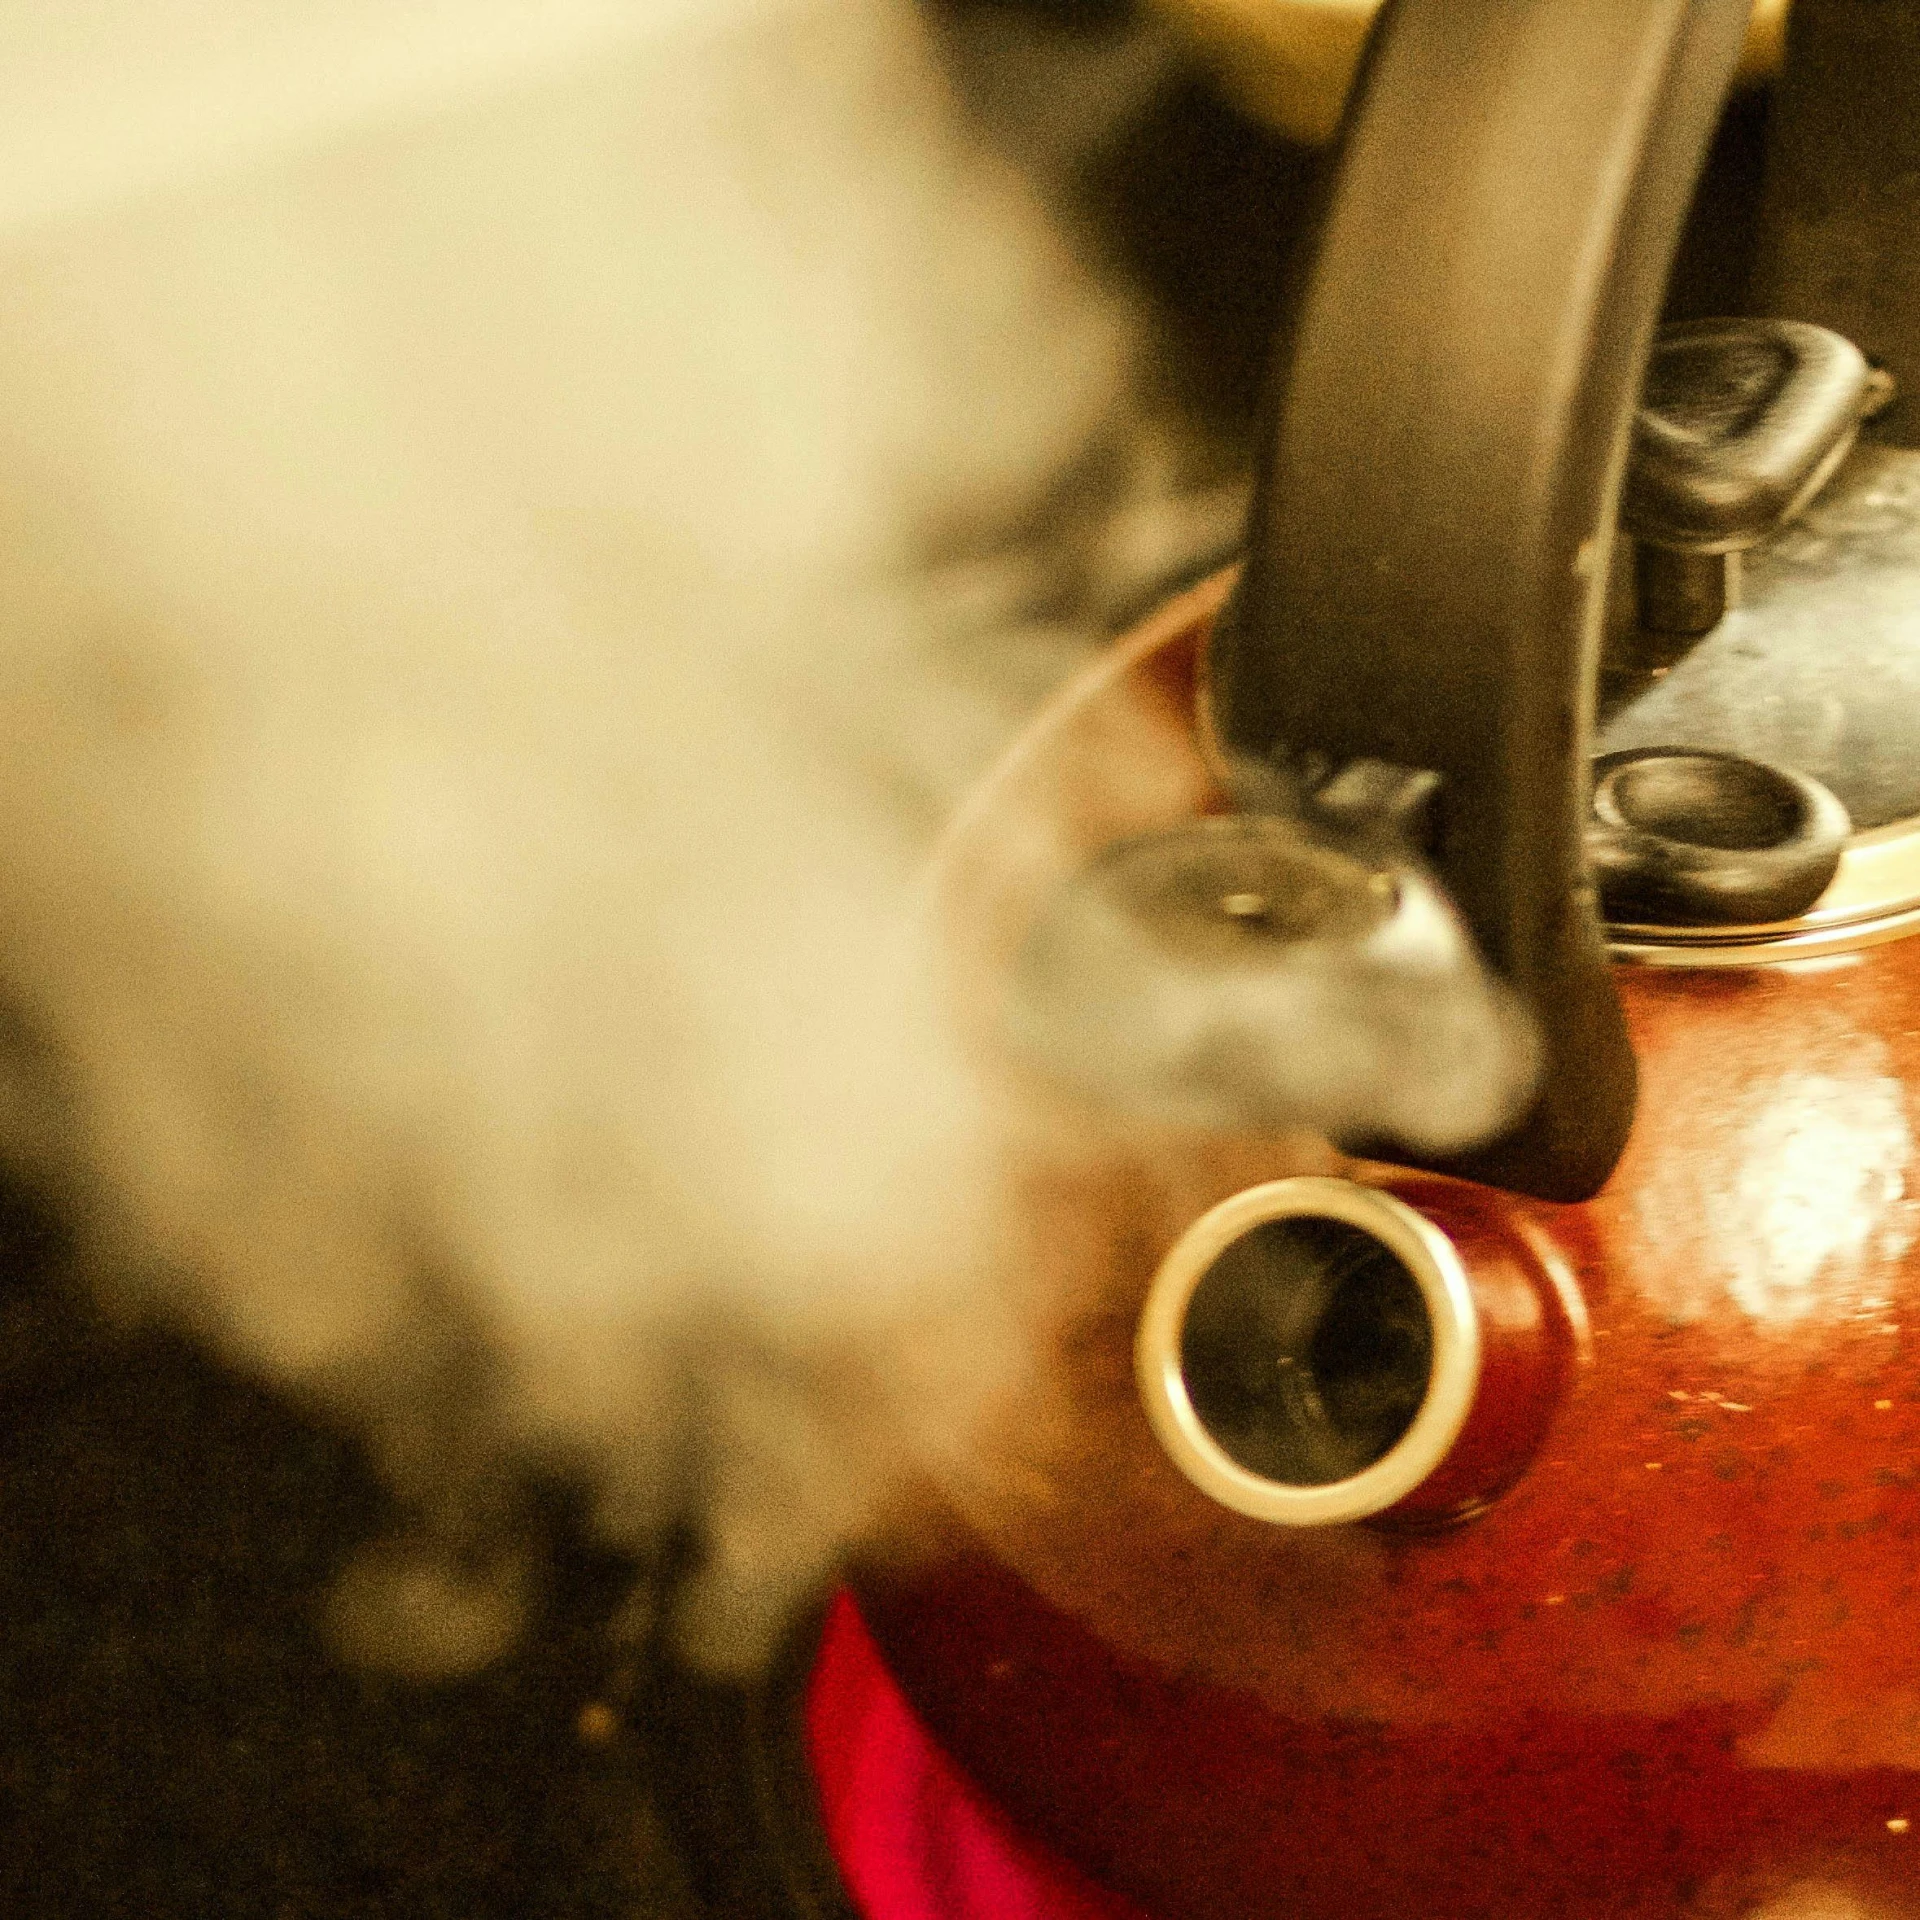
<point x="1693" y="838"/>
<point x="1741" y="423"/>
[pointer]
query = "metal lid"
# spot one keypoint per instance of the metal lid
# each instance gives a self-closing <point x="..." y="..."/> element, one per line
<point x="1818" y="669"/>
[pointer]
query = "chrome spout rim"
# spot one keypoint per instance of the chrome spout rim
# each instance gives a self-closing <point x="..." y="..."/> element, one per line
<point x="1434" y="1264"/>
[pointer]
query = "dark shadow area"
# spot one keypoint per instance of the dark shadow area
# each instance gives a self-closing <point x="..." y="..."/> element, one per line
<point x="1202" y="207"/>
<point x="174" y="1741"/>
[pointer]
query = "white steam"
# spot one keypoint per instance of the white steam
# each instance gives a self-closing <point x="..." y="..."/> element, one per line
<point x="474" y="698"/>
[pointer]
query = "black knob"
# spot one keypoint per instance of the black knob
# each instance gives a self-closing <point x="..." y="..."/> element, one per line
<point x="1687" y="837"/>
<point x="1741" y="423"/>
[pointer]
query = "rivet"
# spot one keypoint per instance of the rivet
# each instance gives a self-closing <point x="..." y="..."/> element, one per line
<point x="597" y="1723"/>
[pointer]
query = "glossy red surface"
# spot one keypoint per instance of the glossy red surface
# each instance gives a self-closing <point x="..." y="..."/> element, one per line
<point x="1673" y="1671"/>
<point x="1533" y="1334"/>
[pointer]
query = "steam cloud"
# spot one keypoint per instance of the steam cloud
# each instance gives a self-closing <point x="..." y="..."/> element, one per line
<point x="515" y="535"/>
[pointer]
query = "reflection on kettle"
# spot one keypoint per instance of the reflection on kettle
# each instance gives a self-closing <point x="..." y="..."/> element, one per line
<point x="1522" y="1519"/>
<point x="1810" y="1140"/>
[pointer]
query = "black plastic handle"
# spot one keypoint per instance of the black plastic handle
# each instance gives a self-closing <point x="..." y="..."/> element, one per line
<point x="1430" y="539"/>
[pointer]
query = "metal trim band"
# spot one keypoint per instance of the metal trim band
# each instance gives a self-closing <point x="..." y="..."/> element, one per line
<point x="1875" y="897"/>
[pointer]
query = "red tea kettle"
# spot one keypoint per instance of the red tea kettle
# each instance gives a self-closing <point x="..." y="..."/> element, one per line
<point x="1536" y="1533"/>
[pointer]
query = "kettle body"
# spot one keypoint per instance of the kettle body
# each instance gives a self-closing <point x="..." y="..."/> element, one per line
<point x="1535" y="1533"/>
<point x="1669" y="1670"/>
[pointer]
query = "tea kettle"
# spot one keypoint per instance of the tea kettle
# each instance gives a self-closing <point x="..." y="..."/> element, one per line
<point x="1535" y="1531"/>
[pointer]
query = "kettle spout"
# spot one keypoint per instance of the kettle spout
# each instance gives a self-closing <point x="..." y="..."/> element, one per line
<point x="1258" y="972"/>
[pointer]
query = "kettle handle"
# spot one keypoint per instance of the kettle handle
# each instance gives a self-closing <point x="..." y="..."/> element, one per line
<point x="1430" y="536"/>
